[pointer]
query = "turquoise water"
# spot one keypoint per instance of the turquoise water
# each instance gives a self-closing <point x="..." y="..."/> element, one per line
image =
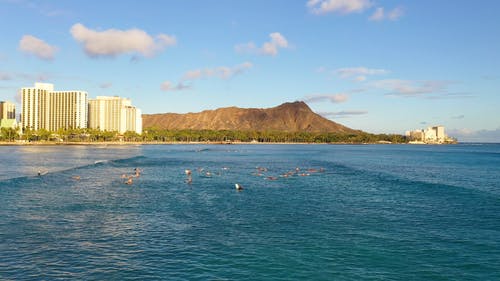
<point x="350" y="212"/>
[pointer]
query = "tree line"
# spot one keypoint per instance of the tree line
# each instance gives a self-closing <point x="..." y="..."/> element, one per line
<point x="222" y="136"/>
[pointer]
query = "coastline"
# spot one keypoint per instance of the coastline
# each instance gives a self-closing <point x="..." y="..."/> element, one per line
<point x="128" y="143"/>
<point x="125" y="143"/>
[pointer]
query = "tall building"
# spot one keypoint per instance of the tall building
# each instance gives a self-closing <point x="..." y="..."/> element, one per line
<point x="7" y="110"/>
<point x="134" y="119"/>
<point x="114" y="114"/>
<point x="44" y="108"/>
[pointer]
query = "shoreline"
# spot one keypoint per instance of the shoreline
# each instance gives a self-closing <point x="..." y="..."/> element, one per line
<point x="126" y="143"/>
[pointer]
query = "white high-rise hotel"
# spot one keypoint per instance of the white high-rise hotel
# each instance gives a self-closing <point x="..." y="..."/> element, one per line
<point x="114" y="114"/>
<point x="44" y="108"/>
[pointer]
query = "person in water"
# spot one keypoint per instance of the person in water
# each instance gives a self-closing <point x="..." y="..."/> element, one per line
<point x="129" y="181"/>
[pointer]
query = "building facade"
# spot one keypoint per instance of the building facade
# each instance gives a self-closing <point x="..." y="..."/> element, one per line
<point x="430" y="135"/>
<point x="7" y="110"/>
<point x="114" y="114"/>
<point x="44" y="108"/>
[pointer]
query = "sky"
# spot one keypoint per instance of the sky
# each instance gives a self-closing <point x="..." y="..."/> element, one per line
<point x="378" y="66"/>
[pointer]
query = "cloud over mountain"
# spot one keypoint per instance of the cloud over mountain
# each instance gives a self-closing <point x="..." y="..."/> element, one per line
<point x="333" y="98"/>
<point x="222" y="72"/>
<point x="358" y="73"/>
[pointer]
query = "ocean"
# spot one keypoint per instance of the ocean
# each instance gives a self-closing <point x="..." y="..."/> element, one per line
<point x="306" y="212"/>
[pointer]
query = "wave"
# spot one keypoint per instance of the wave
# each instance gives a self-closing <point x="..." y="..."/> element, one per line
<point x="97" y="163"/>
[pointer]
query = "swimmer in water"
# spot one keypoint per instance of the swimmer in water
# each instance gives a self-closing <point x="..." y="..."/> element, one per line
<point x="189" y="179"/>
<point x="129" y="181"/>
<point x="137" y="172"/>
<point x="76" y="178"/>
<point x="238" y="187"/>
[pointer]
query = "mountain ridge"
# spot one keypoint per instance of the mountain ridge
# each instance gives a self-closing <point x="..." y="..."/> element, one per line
<point x="288" y="117"/>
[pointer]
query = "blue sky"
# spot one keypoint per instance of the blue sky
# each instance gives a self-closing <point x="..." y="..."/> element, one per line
<point x="378" y="66"/>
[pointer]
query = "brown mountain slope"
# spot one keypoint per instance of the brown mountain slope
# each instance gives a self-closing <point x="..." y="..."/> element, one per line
<point x="289" y="117"/>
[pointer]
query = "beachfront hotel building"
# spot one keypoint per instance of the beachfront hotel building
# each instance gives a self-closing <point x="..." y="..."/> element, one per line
<point x="430" y="135"/>
<point x="44" y="108"/>
<point x="7" y="110"/>
<point x="114" y="114"/>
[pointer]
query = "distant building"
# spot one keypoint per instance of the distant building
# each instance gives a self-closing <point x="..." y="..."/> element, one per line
<point x="8" y="123"/>
<point x="44" y="108"/>
<point x="134" y="119"/>
<point x="114" y="114"/>
<point x="7" y="110"/>
<point x="430" y="135"/>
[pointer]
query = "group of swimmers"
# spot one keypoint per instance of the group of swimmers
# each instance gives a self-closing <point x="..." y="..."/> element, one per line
<point x="130" y="178"/>
<point x="260" y="171"/>
<point x="297" y="171"/>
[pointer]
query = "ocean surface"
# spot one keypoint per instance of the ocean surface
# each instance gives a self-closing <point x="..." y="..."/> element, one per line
<point x="307" y="212"/>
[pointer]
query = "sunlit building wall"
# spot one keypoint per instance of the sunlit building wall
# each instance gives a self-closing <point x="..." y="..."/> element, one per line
<point x="44" y="108"/>
<point x="113" y="114"/>
<point x="7" y="110"/>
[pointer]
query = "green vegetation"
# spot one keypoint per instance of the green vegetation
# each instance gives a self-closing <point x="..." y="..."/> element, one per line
<point x="8" y="134"/>
<point x="153" y="134"/>
<point x="223" y="136"/>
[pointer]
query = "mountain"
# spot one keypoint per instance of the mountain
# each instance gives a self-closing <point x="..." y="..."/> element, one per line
<point x="289" y="117"/>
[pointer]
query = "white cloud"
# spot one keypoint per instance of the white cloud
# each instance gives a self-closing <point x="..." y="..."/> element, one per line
<point x="278" y="41"/>
<point x="343" y="114"/>
<point x="408" y="88"/>
<point x="467" y="135"/>
<point x="169" y="86"/>
<point x="338" y="6"/>
<point x="113" y="42"/>
<point x="380" y="14"/>
<point x="333" y="98"/>
<point x="37" y="47"/>
<point x="223" y="72"/>
<point x="358" y="73"/>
